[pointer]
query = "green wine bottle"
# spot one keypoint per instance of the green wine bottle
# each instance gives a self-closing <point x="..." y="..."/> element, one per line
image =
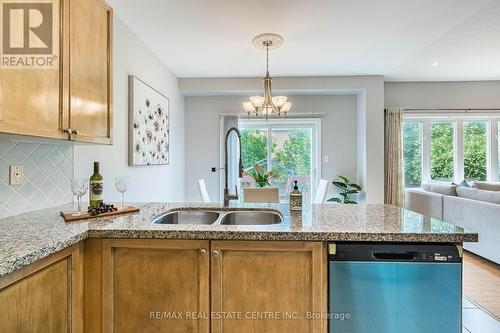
<point x="96" y="187"/>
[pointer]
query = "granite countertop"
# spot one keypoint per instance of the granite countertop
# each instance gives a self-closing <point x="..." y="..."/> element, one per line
<point x="29" y="237"/>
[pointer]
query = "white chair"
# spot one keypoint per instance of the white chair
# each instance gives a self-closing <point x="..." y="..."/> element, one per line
<point x="322" y="191"/>
<point x="202" y="188"/>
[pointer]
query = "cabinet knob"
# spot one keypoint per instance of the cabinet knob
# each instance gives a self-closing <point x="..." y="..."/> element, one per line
<point x="75" y="131"/>
<point x="215" y="253"/>
<point x="68" y="130"/>
<point x="203" y="252"/>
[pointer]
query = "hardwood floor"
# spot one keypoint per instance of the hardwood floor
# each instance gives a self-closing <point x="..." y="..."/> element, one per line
<point x="481" y="282"/>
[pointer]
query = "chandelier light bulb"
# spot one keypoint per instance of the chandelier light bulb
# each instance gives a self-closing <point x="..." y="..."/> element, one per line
<point x="279" y="101"/>
<point x="248" y="107"/>
<point x="257" y="101"/>
<point x="286" y="107"/>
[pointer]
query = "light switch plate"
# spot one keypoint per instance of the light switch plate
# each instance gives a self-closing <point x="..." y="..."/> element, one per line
<point x="16" y="173"/>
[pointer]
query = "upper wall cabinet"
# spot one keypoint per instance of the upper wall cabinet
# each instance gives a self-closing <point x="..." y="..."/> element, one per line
<point x="56" y="72"/>
<point x="31" y="88"/>
<point x="90" y="74"/>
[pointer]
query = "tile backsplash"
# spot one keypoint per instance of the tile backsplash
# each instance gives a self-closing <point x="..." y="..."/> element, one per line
<point x="48" y="169"/>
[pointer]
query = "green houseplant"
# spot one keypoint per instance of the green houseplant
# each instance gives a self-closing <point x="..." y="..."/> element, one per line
<point x="260" y="176"/>
<point x="347" y="189"/>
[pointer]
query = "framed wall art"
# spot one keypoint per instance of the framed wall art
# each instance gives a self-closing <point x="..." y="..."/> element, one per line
<point x="149" y="125"/>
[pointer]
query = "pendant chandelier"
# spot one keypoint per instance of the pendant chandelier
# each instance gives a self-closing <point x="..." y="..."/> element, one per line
<point x="267" y="105"/>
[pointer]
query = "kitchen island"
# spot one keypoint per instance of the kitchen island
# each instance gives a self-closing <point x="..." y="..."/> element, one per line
<point x="126" y="273"/>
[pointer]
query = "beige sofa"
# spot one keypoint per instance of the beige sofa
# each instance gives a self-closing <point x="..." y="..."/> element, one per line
<point x="473" y="208"/>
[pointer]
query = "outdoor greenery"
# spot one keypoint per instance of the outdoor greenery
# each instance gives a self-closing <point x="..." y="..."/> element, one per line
<point x="347" y="188"/>
<point x="442" y="151"/>
<point x="292" y="159"/>
<point x="475" y="150"/>
<point x="412" y="151"/>
<point x="254" y="147"/>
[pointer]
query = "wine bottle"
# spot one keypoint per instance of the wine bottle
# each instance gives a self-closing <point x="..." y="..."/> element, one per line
<point x="96" y="187"/>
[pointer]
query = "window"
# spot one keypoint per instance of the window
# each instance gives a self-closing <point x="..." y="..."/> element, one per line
<point x="291" y="153"/>
<point x="412" y="152"/>
<point x="475" y="150"/>
<point x="289" y="148"/>
<point x="442" y="151"/>
<point x="451" y="148"/>
<point x="254" y="142"/>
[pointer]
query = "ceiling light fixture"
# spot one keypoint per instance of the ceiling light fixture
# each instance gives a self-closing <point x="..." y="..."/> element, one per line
<point x="267" y="104"/>
<point x="435" y="64"/>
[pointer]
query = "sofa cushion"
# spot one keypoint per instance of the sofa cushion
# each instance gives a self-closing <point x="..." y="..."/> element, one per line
<point x="441" y="188"/>
<point x="480" y="195"/>
<point x="488" y="186"/>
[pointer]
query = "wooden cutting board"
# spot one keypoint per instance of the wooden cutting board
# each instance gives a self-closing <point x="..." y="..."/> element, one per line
<point x="69" y="217"/>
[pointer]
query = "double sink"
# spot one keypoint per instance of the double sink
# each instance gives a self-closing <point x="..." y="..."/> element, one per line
<point x="202" y="216"/>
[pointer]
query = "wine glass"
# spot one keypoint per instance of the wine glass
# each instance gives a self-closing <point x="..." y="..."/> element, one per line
<point x="79" y="187"/>
<point x="121" y="184"/>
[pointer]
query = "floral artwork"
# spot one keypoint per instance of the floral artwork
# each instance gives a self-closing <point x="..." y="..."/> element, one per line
<point x="149" y="125"/>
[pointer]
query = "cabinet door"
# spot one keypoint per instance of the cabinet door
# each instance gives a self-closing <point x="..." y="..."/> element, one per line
<point x="31" y="95"/>
<point x="90" y="72"/>
<point x="261" y="286"/>
<point x="155" y="286"/>
<point x="46" y="296"/>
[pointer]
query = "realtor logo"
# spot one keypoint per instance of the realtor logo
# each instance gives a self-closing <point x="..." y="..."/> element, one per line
<point x="28" y="34"/>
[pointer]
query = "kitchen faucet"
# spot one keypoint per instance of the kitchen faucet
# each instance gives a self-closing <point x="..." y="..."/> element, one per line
<point x="228" y="196"/>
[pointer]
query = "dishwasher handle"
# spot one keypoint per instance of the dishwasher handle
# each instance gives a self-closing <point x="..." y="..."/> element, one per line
<point x="406" y="255"/>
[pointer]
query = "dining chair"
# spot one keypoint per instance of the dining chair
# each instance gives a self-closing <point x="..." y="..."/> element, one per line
<point x="321" y="192"/>
<point x="202" y="189"/>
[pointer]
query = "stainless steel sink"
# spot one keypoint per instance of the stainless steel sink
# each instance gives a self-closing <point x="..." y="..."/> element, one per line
<point x="188" y="217"/>
<point x="251" y="218"/>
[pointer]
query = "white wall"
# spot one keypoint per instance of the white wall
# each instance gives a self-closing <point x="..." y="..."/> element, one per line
<point x="203" y="136"/>
<point x="370" y="113"/>
<point x="152" y="183"/>
<point x="479" y="94"/>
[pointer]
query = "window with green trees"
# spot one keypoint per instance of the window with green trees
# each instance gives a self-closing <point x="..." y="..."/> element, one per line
<point x="285" y="150"/>
<point x="450" y="150"/>
<point x="412" y="153"/>
<point x="254" y="144"/>
<point x="442" y="151"/>
<point x="475" y="150"/>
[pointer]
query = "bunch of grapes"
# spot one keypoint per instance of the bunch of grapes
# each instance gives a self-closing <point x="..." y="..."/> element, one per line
<point x="101" y="208"/>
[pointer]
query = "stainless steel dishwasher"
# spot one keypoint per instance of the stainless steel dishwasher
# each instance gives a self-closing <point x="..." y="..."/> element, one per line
<point x="394" y="288"/>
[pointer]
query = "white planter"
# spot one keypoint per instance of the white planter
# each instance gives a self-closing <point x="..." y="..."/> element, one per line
<point x="261" y="195"/>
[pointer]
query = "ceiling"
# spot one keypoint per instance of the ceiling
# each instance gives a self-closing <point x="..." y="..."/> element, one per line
<point x="403" y="40"/>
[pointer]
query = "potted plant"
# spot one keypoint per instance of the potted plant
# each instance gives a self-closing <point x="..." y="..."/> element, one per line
<point x="260" y="176"/>
<point x="347" y="189"/>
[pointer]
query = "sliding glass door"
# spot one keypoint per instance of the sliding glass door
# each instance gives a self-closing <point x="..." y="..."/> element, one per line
<point x="288" y="148"/>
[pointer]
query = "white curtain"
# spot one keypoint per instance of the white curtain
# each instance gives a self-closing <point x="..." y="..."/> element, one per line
<point x="394" y="171"/>
<point x="228" y="121"/>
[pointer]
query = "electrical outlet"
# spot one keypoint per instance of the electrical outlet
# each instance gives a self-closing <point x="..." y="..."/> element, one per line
<point x="325" y="159"/>
<point x="16" y="173"/>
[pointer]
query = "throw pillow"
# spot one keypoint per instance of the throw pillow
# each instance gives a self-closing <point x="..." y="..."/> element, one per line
<point x="487" y="186"/>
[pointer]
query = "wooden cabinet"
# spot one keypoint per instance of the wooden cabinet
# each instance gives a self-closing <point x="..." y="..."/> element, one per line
<point x="273" y="286"/>
<point x="30" y="99"/>
<point x="158" y="285"/>
<point x="90" y="73"/>
<point x="46" y="296"/>
<point x="155" y="286"/>
<point x="72" y="99"/>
